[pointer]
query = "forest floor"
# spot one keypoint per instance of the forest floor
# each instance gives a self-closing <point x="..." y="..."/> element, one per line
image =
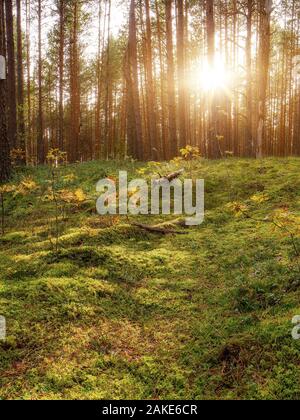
<point x="119" y="313"/>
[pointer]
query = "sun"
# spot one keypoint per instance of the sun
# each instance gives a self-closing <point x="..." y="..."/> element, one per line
<point x="210" y="78"/>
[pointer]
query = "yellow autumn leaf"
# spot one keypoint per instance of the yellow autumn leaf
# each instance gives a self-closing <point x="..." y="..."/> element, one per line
<point x="80" y="195"/>
<point x="7" y="188"/>
<point x="260" y="198"/>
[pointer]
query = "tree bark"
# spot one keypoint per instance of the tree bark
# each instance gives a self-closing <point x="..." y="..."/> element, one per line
<point x="21" y="120"/>
<point x="181" y="75"/>
<point x="248" y="149"/>
<point x="155" y="151"/>
<point x="40" y="129"/>
<point x="11" y="77"/>
<point x="97" y="148"/>
<point x="172" y="137"/>
<point x="108" y="91"/>
<point x="265" y="10"/>
<point x="5" y="166"/>
<point x="61" y="143"/>
<point x="134" y="132"/>
<point x="74" y="140"/>
<point x="29" y="143"/>
<point x="213" y="147"/>
<point x="164" y="142"/>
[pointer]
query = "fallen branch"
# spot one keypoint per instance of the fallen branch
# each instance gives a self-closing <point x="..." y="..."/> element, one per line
<point x="158" y="229"/>
<point x="180" y="222"/>
<point x="170" y="177"/>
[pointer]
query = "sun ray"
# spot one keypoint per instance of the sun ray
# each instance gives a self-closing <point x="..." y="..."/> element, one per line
<point x="210" y="78"/>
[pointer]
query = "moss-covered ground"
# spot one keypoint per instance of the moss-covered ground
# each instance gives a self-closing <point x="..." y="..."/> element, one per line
<point x="119" y="313"/>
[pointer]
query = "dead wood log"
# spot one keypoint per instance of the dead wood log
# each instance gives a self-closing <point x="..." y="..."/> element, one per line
<point x="170" y="177"/>
<point x="180" y="222"/>
<point x="158" y="229"/>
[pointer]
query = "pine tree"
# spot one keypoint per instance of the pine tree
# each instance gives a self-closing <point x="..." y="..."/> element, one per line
<point x="5" y="165"/>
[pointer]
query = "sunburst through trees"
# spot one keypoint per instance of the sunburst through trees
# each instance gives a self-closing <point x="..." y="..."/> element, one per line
<point x="100" y="79"/>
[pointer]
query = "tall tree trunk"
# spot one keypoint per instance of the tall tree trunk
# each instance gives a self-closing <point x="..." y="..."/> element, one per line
<point x="265" y="10"/>
<point x="296" y="139"/>
<point x="296" y="130"/>
<point x="164" y="142"/>
<point x="249" y="105"/>
<point x="21" y="121"/>
<point x="74" y="141"/>
<point x="29" y="142"/>
<point x="187" y="63"/>
<point x="151" y="94"/>
<point x="134" y="124"/>
<point x="235" y="38"/>
<point x="181" y="75"/>
<point x="108" y="88"/>
<point x="228" y="105"/>
<point x="40" y="131"/>
<point x="97" y="148"/>
<point x="5" y="167"/>
<point x="11" y="78"/>
<point x="213" y="149"/>
<point x="61" y="143"/>
<point x="172" y="138"/>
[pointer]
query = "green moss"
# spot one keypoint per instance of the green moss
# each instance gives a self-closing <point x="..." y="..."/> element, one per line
<point x="122" y="313"/>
